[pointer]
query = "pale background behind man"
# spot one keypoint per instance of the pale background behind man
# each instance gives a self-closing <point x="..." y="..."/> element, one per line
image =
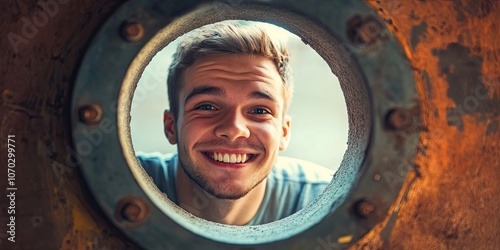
<point x="318" y="111"/>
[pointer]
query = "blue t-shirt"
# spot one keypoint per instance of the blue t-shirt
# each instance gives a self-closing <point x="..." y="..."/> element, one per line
<point x="291" y="185"/>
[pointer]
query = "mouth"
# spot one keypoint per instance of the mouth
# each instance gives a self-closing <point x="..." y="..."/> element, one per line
<point x="230" y="158"/>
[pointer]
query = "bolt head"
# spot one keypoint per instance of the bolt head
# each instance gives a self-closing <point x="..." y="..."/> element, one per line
<point x="132" y="31"/>
<point x="369" y="32"/>
<point x="365" y="208"/>
<point x="364" y="31"/>
<point x="90" y="114"/>
<point x="399" y="118"/>
<point x="131" y="212"/>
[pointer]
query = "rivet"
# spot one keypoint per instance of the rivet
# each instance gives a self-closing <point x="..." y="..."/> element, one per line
<point x="131" y="212"/>
<point x="377" y="177"/>
<point x="132" y="31"/>
<point x="90" y="114"/>
<point x="363" y="31"/>
<point x="399" y="118"/>
<point x="364" y="208"/>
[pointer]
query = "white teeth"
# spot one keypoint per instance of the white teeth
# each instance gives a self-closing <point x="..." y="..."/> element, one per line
<point x="229" y="158"/>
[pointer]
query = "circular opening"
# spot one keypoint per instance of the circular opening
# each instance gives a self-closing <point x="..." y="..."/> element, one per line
<point x="375" y="77"/>
<point x="318" y="109"/>
<point x="358" y="108"/>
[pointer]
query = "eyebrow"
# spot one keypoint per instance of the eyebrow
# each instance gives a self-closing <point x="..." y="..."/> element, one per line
<point x="205" y="90"/>
<point x="216" y="91"/>
<point x="262" y="95"/>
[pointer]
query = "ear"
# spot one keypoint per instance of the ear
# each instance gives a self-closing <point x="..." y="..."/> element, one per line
<point x="169" y="127"/>
<point x="286" y="127"/>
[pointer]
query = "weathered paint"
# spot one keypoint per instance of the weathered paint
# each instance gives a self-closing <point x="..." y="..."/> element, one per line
<point x="53" y="207"/>
<point x="453" y="203"/>
<point x="416" y="32"/>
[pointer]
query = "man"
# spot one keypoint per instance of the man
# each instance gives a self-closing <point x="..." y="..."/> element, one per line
<point x="229" y="89"/>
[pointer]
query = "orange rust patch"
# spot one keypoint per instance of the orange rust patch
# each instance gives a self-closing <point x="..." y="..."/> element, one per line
<point x="454" y="202"/>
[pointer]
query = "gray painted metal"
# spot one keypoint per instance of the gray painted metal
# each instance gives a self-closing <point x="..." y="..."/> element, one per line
<point x="374" y="74"/>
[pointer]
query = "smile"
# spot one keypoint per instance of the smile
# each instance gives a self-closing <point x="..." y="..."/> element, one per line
<point x="230" y="158"/>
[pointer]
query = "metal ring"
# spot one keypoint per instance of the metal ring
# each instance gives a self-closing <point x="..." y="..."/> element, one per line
<point x="382" y="102"/>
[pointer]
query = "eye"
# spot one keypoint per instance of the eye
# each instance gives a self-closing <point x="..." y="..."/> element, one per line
<point x="205" y="107"/>
<point x="260" y="111"/>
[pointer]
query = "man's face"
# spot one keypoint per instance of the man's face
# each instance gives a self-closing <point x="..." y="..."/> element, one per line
<point x="231" y="123"/>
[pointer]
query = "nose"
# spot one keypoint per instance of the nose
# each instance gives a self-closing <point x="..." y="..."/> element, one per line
<point x="232" y="126"/>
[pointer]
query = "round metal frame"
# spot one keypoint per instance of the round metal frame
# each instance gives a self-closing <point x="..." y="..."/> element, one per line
<point x="375" y="76"/>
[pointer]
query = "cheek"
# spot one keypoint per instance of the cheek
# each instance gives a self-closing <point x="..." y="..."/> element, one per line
<point x="187" y="132"/>
<point x="192" y="131"/>
<point x="268" y="134"/>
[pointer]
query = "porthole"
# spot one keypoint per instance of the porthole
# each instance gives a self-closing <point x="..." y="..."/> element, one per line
<point x="382" y="106"/>
<point x="318" y="109"/>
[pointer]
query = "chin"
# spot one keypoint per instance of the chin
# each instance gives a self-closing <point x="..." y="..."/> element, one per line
<point x="224" y="194"/>
<point x="227" y="196"/>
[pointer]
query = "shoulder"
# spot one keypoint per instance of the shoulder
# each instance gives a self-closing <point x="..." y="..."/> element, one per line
<point x="299" y="171"/>
<point x="154" y="158"/>
<point x="292" y="184"/>
<point x="156" y="164"/>
<point x="162" y="170"/>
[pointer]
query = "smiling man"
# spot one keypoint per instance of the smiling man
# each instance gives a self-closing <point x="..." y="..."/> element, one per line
<point x="229" y="89"/>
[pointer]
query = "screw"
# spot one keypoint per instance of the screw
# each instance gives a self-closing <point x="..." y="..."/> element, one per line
<point x="369" y="31"/>
<point x="377" y="177"/>
<point x="90" y="114"/>
<point x="399" y="118"/>
<point x="131" y="209"/>
<point x="364" y="208"/>
<point x="363" y="31"/>
<point x="131" y="212"/>
<point x="132" y="31"/>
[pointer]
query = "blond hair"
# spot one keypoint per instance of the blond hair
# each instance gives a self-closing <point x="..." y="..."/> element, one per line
<point x="228" y="37"/>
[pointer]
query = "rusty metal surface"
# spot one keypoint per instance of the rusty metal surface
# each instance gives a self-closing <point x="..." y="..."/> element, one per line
<point x="453" y="202"/>
<point x="454" y="48"/>
<point x="39" y="57"/>
<point x="354" y="202"/>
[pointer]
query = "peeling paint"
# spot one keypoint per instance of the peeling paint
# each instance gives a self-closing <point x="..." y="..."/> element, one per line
<point x="451" y="206"/>
<point x="416" y="33"/>
<point x="463" y="71"/>
<point x="453" y="119"/>
<point x="479" y="9"/>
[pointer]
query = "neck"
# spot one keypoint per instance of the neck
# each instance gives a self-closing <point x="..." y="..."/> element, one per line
<point x="204" y="205"/>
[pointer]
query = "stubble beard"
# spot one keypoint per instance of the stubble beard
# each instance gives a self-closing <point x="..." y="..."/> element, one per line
<point x="192" y="171"/>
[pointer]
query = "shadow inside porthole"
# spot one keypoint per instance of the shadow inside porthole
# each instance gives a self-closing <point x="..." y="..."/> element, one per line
<point x="318" y="136"/>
